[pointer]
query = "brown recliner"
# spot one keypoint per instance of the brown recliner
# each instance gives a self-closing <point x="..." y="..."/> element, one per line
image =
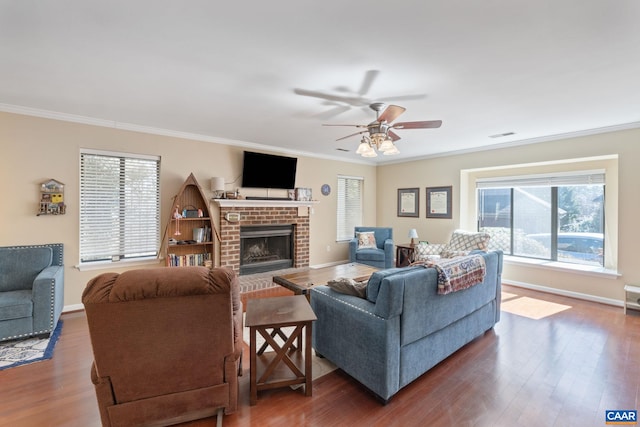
<point x="167" y="344"/>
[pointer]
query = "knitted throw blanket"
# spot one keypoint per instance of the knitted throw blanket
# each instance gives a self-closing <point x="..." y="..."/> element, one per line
<point x="455" y="274"/>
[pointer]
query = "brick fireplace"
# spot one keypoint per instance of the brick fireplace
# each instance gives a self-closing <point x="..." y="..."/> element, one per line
<point x="262" y="212"/>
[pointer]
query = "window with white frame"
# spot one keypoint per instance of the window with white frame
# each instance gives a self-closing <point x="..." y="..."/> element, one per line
<point x="556" y="217"/>
<point x="349" y="194"/>
<point x="119" y="206"/>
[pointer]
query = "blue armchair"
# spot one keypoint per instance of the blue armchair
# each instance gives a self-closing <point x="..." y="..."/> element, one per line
<point x="381" y="255"/>
<point x="31" y="290"/>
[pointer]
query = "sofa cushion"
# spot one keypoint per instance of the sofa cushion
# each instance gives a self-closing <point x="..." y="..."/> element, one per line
<point x="349" y="286"/>
<point x="15" y="305"/>
<point x="19" y="266"/>
<point x="366" y="240"/>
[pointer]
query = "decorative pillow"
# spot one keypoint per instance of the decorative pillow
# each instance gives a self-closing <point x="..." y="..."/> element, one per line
<point x="349" y="286"/>
<point x="467" y="241"/>
<point x="366" y="240"/>
<point x="424" y="251"/>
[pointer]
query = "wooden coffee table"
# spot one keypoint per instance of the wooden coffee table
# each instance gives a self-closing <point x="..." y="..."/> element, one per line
<point x="302" y="282"/>
<point x="287" y="364"/>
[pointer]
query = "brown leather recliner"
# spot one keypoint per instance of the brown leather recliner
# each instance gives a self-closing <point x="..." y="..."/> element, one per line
<point x="167" y="344"/>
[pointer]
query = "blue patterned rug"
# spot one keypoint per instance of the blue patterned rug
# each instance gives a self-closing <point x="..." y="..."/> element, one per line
<point x="29" y="350"/>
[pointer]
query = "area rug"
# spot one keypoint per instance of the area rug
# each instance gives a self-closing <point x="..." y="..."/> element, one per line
<point x="29" y="350"/>
<point x="319" y="365"/>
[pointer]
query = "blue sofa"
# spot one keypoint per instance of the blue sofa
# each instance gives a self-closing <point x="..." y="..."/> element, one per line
<point x="381" y="256"/>
<point x="31" y="290"/>
<point x="403" y="327"/>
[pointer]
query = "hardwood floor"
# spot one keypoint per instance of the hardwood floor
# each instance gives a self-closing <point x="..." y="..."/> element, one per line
<point x="562" y="370"/>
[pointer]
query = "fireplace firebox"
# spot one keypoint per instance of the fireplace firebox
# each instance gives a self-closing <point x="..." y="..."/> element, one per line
<point x="265" y="248"/>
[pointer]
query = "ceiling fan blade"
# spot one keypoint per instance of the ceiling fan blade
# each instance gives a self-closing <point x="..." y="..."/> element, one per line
<point x="332" y="112"/>
<point x="394" y="136"/>
<point x="349" y="136"/>
<point x="429" y="124"/>
<point x="321" y="95"/>
<point x="357" y="126"/>
<point x="403" y="97"/>
<point x="391" y="113"/>
<point x="369" y="77"/>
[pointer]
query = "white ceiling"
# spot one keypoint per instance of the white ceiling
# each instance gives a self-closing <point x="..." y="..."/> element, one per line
<point x="226" y="71"/>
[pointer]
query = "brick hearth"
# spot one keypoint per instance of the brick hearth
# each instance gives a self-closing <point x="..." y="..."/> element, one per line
<point x="259" y="213"/>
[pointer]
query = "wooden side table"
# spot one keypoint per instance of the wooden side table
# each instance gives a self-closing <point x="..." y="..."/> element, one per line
<point x="404" y="254"/>
<point x="287" y="364"/>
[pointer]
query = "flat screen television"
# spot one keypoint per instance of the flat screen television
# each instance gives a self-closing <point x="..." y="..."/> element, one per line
<point x="268" y="171"/>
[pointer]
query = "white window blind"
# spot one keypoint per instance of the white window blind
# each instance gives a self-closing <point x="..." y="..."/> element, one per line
<point x="544" y="180"/>
<point x="349" y="194"/>
<point x="119" y="206"/>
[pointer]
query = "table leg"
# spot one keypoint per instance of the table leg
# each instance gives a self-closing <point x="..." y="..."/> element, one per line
<point x="307" y="360"/>
<point x="253" y="395"/>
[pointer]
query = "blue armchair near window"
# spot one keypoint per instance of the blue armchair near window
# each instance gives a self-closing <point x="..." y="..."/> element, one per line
<point x="31" y="290"/>
<point x="381" y="256"/>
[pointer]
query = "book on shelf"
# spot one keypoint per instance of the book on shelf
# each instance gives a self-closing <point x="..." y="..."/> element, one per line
<point x="187" y="260"/>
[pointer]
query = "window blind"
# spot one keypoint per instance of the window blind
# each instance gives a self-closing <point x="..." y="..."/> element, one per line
<point x="119" y="206"/>
<point x="349" y="195"/>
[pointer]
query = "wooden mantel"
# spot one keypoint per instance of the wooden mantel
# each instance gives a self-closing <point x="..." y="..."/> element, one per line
<point x="243" y="203"/>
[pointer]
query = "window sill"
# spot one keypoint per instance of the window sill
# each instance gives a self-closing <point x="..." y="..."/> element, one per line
<point x="110" y="265"/>
<point x="587" y="270"/>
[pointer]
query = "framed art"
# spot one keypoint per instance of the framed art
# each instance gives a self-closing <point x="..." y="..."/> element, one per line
<point x="439" y="202"/>
<point x="408" y="202"/>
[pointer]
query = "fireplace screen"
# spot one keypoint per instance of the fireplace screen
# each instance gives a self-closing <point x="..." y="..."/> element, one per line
<point x="265" y="248"/>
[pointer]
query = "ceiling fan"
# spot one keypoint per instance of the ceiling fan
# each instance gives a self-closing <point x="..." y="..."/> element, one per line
<point x="343" y="98"/>
<point x="380" y="132"/>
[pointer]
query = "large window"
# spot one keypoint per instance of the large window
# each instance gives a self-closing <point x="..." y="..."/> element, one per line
<point x="119" y="206"/>
<point x="349" y="194"/>
<point x="558" y="218"/>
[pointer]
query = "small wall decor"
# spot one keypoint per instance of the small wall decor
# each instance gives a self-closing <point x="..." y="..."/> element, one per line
<point x="52" y="198"/>
<point x="439" y="202"/>
<point x="303" y="194"/>
<point x="408" y="202"/>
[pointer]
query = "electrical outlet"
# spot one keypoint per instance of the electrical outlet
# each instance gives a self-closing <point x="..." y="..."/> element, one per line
<point x="328" y="248"/>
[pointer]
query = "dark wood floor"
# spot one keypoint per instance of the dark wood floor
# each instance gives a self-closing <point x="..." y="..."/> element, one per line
<point x="562" y="370"/>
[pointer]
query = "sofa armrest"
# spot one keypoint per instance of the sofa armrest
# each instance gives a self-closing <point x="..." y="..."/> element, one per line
<point x="104" y="394"/>
<point x="353" y="247"/>
<point x="349" y="334"/>
<point x="48" y="299"/>
<point x="389" y="254"/>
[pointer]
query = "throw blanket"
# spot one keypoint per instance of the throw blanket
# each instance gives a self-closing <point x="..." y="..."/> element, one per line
<point x="455" y="274"/>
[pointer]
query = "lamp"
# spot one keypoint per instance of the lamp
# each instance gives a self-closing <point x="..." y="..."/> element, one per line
<point x="413" y="234"/>
<point x="217" y="186"/>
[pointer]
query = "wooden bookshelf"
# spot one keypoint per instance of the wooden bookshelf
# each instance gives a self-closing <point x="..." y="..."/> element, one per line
<point x="189" y="213"/>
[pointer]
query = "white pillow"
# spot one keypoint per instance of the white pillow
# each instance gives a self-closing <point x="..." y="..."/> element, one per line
<point x="366" y="240"/>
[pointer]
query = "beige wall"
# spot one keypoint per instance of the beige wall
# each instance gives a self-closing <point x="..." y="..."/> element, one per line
<point x="36" y="149"/>
<point x="444" y="171"/>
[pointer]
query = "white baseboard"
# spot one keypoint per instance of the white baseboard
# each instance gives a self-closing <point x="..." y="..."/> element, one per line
<point x="577" y="295"/>
<point x="73" y="307"/>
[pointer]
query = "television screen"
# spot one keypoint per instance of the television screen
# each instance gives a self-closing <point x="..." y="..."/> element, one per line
<point x="268" y="171"/>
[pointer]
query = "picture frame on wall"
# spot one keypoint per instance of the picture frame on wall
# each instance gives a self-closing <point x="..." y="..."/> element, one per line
<point x="439" y="202"/>
<point x="408" y="202"/>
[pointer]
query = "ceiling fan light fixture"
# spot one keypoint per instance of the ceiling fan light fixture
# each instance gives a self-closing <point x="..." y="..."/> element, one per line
<point x="393" y="150"/>
<point x="386" y="145"/>
<point x="371" y="153"/>
<point x="364" y="146"/>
